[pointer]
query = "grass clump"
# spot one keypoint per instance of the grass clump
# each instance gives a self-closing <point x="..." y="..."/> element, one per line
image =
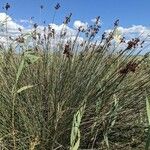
<point x="72" y="95"/>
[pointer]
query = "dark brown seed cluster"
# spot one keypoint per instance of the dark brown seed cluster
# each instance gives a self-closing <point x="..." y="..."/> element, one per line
<point x="116" y="23"/>
<point x="67" y="19"/>
<point x="81" y="29"/>
<point x="51" y="32"/>
<point x="122" y="40"/>
<point x="63" y="34"/>
<point x="133" y="43"/>
<point x="57" y="6"/>
<point x="20" y="39"/>
<point x="41" y="6"/>
<point x="7" y="6"/>
<point x="19" y="29"/>
<point x="35" y="25"/>
<point x="104" y="36"/>
<point x="130" y="67"/>
<point x="67" y="50"/>
<point x="93" y="29"/>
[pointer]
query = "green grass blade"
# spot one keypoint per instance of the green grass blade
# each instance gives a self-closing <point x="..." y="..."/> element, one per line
<point x="24" y="88"/>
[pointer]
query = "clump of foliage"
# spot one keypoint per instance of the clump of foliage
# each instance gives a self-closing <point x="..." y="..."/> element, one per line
<point x="73" y="95"/>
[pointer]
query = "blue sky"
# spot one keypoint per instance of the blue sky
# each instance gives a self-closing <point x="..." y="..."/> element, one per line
<point x="130" y="12"/>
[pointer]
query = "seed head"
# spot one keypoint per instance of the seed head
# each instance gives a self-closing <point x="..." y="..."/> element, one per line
<point x="7" y="6"/>
<point x="116" y="23"/>
<point x="20" y="39"/>
<point x="35" y="25"/>
<point x="67" y="51"/>
<point x="130" y="67"/>
<point x="57" y="6"/>
<point x="133" y="43"/>
<point x="67" y="19"/>
<point x="19" y="29"/>
<point x="41" y="6"/>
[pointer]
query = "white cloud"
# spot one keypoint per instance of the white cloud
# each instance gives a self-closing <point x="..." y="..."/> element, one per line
<point x="24" y="21"/>
<point x="11" y="25"/>
<point x="63" y="28"/>
<point x="94" y="20"/>
<point x="134" y="28"/>
<point x="135" y="31"/>
<point x="130" y="32"/>
<point x="78" y="24"/>
<point x="6" y="22"/>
